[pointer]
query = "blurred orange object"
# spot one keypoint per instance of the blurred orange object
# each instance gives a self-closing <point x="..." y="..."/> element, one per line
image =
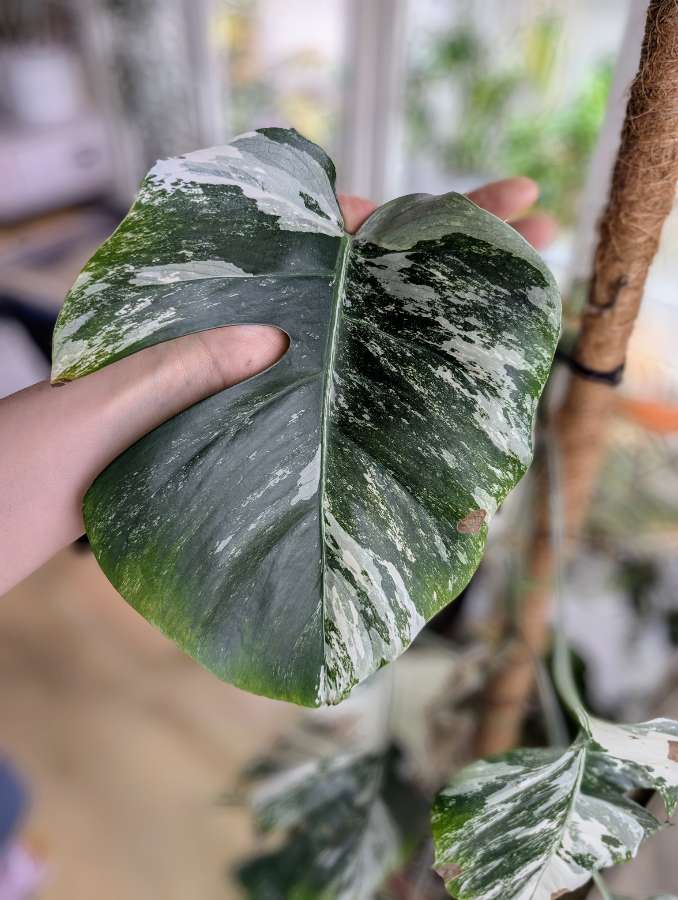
<point x="649" y="393"/>
<point x="652" y="415"/>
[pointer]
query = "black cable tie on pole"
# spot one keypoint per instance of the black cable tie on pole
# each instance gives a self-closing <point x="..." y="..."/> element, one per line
<point x="612" y="378"/>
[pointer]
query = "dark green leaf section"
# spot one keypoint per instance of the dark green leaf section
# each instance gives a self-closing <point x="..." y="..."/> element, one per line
<point x="349" y="823"/>
<point x="295" y="532"/>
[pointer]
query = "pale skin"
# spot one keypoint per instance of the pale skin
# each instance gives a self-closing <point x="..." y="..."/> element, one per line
<point x="56" y="440"/>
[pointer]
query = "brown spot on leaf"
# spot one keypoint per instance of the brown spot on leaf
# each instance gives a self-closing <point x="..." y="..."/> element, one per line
<point x="556" y="894"/>
<point x="448" y="872"/>
<point x="673" y="751"/>
<point x="472" y="522"/>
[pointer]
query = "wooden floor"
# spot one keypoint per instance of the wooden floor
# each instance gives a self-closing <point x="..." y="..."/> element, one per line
<point x="126" y="743"/>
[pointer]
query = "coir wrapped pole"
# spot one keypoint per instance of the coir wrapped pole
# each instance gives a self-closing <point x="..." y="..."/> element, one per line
<point x="642" y="193"/>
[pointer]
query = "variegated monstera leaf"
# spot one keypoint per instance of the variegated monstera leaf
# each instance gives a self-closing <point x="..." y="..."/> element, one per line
<point x="294" y="532"/>
<point x="535" y="824"/>
<point x="348" y="823"/>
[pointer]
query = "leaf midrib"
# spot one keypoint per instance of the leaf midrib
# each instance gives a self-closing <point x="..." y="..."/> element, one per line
<point x="329" y="357"/>
<point x="557" y="842"/>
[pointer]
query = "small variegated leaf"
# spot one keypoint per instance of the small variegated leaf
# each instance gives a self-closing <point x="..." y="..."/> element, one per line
<point x="533" y="825"/>
<point x="349" y="823"/>
<point x="295" y="532"/>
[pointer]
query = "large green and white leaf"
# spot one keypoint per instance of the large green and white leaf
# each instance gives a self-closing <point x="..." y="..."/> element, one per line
<point x="349" y="823"/>
<point x="295" y="532"/>
<point x="533" y="824"/>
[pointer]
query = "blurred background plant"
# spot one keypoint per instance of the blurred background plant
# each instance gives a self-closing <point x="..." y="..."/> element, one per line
<point x="502" y="116"/>
<point x="296" y="85"/>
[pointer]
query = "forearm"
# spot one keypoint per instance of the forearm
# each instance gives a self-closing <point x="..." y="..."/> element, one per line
<point x="56" y="440"/>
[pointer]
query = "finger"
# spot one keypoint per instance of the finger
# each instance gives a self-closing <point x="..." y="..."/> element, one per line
<point x="507" y="198"/>
<point x="355" y="210"/>
<point x="238" y="352"/>
<point x="539" y="229"/>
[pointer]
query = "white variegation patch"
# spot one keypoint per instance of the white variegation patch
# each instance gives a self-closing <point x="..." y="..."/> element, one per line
<point x="171" y="273"/>
<point x="75" y="324"/>
<point x="309" y="480"/>
<point x="113" y="338"/>
<point x="539" y="298"/>
<point x="249" y="163"/>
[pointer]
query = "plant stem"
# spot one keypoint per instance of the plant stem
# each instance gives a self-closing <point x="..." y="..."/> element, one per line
<point x="562" y="657"/>
<point x="641" y="196"/>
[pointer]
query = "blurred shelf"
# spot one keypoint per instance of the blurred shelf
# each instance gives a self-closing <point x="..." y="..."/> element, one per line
<point x="53" y="165"/>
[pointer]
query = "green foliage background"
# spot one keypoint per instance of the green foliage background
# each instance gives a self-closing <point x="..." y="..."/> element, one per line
<point x="507" y="122"/>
